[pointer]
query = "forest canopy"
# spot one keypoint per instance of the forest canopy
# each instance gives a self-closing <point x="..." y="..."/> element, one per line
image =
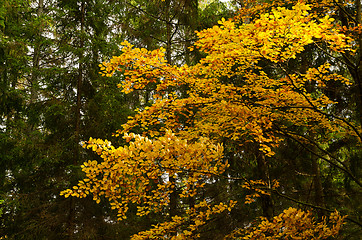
<point x="180" y="119"/>
<point x="244" y="95"/>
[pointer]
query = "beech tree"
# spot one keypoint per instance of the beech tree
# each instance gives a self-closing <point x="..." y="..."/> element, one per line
<point x="243" y="94"/>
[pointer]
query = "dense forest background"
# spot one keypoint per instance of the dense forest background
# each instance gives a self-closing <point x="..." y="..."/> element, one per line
<point x="52" y="97"/>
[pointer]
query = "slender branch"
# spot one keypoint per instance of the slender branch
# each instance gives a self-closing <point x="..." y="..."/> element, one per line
<point x="315" y="144"/>
<point x="323" y="158"/>
<point x="347" y="61"/>
<point x="345" y="12"/>
<point x="317" y="109"/>
<point x="151" y="15"/>
<point x="312" y="206"/>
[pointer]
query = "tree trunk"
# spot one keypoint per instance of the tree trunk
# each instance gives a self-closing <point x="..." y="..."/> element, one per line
<point x="79" y="85"/>
<point x="71" y="217"/>
<point x="317" y="183"/>
<point x="358" y="78"/>
<point x="266" y="200"/>
<point x="36" y="62"/>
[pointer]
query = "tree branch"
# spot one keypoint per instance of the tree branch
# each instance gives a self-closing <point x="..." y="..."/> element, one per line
<point x="313" y="206"/>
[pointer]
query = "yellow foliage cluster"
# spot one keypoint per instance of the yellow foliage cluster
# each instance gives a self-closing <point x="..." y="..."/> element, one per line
<point x="292" y="224"/>
<point x="140" y="173"/>
<point x="277" y="36"/>
<point x="259" y="188"/>
<point x="247" y="109"/>
<point x="182" y="228"/>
